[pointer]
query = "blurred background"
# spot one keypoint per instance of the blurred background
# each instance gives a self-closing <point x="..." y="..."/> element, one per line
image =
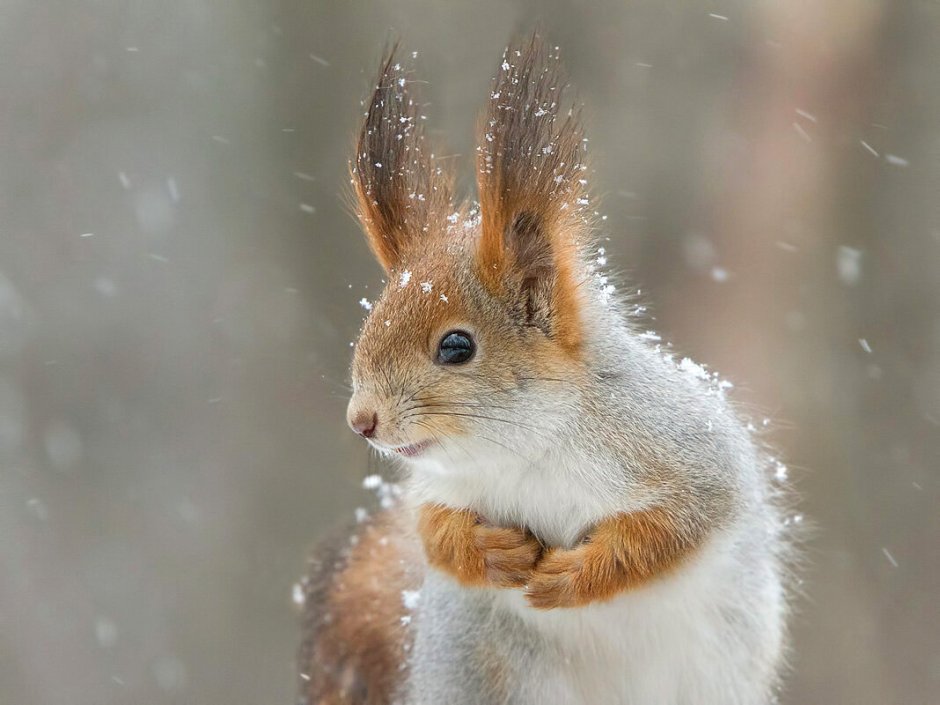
<point x="179" y="280"/>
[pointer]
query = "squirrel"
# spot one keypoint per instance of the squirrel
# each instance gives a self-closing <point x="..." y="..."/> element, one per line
<point x="581" y="519"/>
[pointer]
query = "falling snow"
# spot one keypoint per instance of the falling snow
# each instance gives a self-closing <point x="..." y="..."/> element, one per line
<point x="849" y="265"/>
<point x="719" y="274"/>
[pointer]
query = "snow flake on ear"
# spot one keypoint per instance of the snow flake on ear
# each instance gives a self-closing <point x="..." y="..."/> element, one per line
<point x="365" y="303"/>
<point x="404" y="278"/>
<point x="474" y="217"/>
<point x="426" y="287"/>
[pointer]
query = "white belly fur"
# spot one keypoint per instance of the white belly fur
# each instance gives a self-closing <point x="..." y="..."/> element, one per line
<point x="700" y="636"/>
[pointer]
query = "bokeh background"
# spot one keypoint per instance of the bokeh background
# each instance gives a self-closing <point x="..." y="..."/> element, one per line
<point x="179" y="280"/>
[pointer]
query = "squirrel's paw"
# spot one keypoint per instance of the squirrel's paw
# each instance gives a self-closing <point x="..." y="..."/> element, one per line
<point x="568" y="578"/>
<point x="509" y="555"/>
<point x="557" y="580"/>
<point x="459" y="542"/>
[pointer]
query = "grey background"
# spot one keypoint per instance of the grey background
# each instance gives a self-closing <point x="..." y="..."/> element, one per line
<point x="179" y="280"/>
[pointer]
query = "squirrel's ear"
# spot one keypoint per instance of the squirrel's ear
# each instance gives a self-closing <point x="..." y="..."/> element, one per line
<point x="399" y="193"/>
<point x="531" y="180"/>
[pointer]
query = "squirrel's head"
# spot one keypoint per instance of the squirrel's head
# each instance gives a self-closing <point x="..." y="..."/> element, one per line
<point x="476" y="344"/>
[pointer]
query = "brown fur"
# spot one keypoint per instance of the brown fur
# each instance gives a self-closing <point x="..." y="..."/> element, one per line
<point x="355" y="642"/>
<point x="459" y="542"/>
<point x="398" y="345"/>
<point x="529" y="173"/>
<point x="509" y="277"/>
<point x="400" y="192"/>
<point x="621" y="553"/>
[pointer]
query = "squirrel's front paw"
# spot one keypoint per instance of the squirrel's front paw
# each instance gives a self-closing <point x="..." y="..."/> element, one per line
<point x="622" y="552"/>
<point x="509" y="555"/>
<point x="459" y="542"/>
<point x="560" y="580"/>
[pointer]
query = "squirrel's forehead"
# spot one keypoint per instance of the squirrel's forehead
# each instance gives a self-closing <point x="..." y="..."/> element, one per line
<point x="428" y="287"/>
<point x="418" y="305"/>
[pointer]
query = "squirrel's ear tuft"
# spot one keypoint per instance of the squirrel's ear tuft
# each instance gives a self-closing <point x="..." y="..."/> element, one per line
<point x="531" y="178"/>
<point x="400" y="194"/>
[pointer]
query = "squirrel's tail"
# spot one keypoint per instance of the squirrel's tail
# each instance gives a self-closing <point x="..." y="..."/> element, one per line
<point x="355" y="619"/>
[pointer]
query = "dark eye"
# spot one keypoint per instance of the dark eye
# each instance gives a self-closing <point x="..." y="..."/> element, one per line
<point x="456" y="347"/>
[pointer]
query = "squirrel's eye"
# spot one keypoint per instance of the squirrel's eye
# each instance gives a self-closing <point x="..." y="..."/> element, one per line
<point x="456" y="347"/>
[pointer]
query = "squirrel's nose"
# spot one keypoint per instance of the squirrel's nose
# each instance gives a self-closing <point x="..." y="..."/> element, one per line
<point x="364" y="424"/>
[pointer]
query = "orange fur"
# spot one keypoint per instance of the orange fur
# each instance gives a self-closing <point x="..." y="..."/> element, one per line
<point x="477" y="554"/>
<point x="621" y="553"/>
<point x="401" y="337"/>
<point x="531" y="185"/>
<point x="355" y="637"/>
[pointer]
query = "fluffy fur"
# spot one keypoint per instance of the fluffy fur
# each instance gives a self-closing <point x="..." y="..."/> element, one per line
<point x="598" y="525"/>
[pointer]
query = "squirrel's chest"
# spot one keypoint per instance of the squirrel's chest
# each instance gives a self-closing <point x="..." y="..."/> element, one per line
<point x="549" y="499"/>
<point x="558" y="513"/>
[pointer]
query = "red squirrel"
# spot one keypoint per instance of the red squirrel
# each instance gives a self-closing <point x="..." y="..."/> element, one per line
<point x="580" y="519"/>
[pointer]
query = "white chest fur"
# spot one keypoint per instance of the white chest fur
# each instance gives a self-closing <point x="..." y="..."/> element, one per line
<point x="556" y="497"/>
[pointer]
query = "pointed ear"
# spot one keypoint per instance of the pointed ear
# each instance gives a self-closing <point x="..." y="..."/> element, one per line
<point x="399" y="193"/>
<point x="532" y="198"/>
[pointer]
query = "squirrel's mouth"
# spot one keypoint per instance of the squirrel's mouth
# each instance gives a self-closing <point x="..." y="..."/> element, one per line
<point x="413" y="450"/>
